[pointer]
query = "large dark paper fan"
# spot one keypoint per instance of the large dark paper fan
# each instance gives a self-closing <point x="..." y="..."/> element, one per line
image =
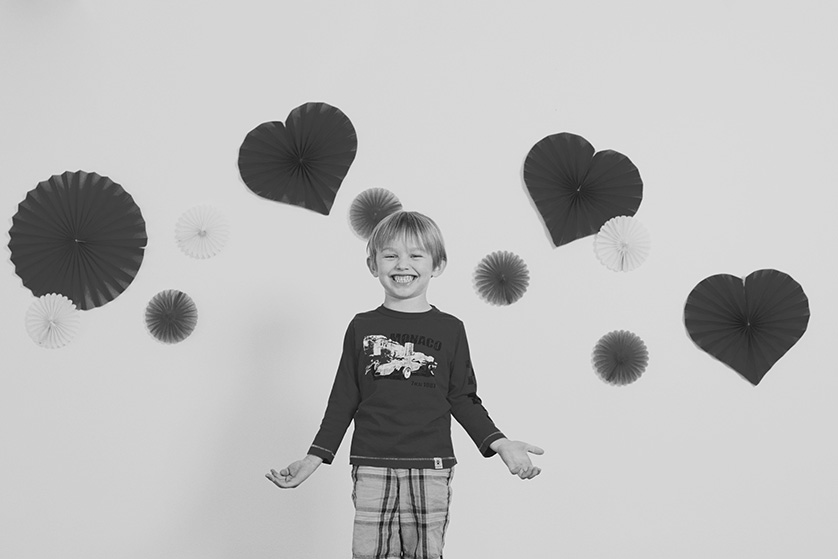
<point x="576" y="190"/>
<point x="80" y="235"/>
<point x="171" y="316"/>
<point x="750" y="323"/>
<point x="302" y="161"/>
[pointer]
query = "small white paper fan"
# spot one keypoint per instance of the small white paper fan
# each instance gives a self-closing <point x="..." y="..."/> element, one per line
<point x="201" y="232"/>
<point x="52" y="321"/>
<point x="622" y="244"/>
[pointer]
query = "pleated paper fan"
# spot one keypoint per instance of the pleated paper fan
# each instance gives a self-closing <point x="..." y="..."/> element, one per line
<point x="747" y="323"/>
<point x="302" y="161"/>
<point x="577" y="190"/>
<point x="202" y="232"/>
<point x="369" y="208"/>
<point x="501" y="278"/>
<point x="620" y="357"/>
<point x="622" y="244"/>
<point x="171" y="316"/>
<point x="80" y="235"/>
<point x="52" y="321"/>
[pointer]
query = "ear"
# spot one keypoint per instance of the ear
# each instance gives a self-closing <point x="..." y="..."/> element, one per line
<point x="371" y="266"/>
<point x="439" y="269"/>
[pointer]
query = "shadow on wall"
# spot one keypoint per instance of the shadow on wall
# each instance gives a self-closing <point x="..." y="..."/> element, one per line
<point x="262" y="424"/>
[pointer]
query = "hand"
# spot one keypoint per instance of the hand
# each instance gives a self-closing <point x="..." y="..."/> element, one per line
<point x="295" y="473"/>
<point x="515" y="454"/>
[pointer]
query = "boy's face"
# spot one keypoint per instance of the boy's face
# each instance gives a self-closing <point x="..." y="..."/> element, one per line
<point x="404" y="269"/>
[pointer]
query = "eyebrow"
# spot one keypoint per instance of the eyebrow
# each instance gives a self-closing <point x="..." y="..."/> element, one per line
<point x="409" y="249"/>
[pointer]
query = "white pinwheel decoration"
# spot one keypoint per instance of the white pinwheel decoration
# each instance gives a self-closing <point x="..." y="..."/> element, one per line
<point x="622" y="244"/>
<point x="52" y="321"/>
<point x="201" y="232"/>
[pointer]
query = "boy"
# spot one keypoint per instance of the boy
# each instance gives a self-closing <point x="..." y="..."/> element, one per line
<point x="405" y="370"/>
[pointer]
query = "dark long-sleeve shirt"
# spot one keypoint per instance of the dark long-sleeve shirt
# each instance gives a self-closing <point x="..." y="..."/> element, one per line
<point x="401" y="377"/>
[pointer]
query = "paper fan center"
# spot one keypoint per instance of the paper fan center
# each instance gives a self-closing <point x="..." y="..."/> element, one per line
<point x="301" y="166"/>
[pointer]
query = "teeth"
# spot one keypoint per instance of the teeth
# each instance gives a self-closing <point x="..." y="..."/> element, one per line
<point x="402" y="279"/>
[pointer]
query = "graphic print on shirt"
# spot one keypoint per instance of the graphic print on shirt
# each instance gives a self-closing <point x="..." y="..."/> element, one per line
<point x="389" y="359"/>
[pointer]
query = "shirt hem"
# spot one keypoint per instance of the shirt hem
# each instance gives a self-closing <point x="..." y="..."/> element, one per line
<point x="434" y="463"/>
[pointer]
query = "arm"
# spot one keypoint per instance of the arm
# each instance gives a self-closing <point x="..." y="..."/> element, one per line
<point x="468" y="409"/>
<point x="343" y="401"/>
<point x="466" y="406"/>
<point x="515" y="454"/>
<point x="295" y="473"/>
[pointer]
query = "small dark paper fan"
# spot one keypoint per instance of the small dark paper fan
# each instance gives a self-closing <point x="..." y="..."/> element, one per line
<point x="501" y="278"/>
<point x="370" y="207"/>
<point x="171" y="316"/>
<point x="620" y="357"/>
<point x="302" y="161"/>
<point x="576" y="190"/>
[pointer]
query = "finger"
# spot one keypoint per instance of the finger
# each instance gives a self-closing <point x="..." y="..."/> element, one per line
<point x="535" y="450"/>
<point x="290" y="482"/>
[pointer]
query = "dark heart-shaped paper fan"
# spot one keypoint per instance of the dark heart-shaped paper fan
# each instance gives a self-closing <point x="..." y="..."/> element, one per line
<point x="171" y="316"/>
<point x="369" y="207"/>
<point x="501" y="278"/>
<point x="750" y="323"/>
<point x="80" y="235"/>
<point x="576" y="190"/>
<point x="302" y="161"/>
<point x="620" y="357"/>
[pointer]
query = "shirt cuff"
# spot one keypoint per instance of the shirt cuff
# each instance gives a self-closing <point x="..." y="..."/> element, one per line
<point x="484" y="447"/>
<point x="324" y="453"/>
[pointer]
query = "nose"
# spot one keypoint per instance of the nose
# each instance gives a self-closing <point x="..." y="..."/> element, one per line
<point x="401" y="264"/>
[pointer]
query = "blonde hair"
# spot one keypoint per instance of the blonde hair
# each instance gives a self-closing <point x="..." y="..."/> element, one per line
<point x="410" y="226"/>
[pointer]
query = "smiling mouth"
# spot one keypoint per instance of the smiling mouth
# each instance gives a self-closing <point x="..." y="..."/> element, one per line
<point x="403" y="279"/>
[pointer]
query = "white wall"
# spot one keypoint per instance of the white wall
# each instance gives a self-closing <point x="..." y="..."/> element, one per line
<point x="118" y="446"/>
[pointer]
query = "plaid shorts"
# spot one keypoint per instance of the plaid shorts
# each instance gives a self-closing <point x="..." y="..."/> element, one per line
<point x="400" y="513"/>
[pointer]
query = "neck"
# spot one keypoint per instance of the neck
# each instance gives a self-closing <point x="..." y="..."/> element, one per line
<point x="420" y="304"/>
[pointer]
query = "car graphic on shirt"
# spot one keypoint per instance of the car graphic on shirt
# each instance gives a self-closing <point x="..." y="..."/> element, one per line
<point x="389" y="359"/>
